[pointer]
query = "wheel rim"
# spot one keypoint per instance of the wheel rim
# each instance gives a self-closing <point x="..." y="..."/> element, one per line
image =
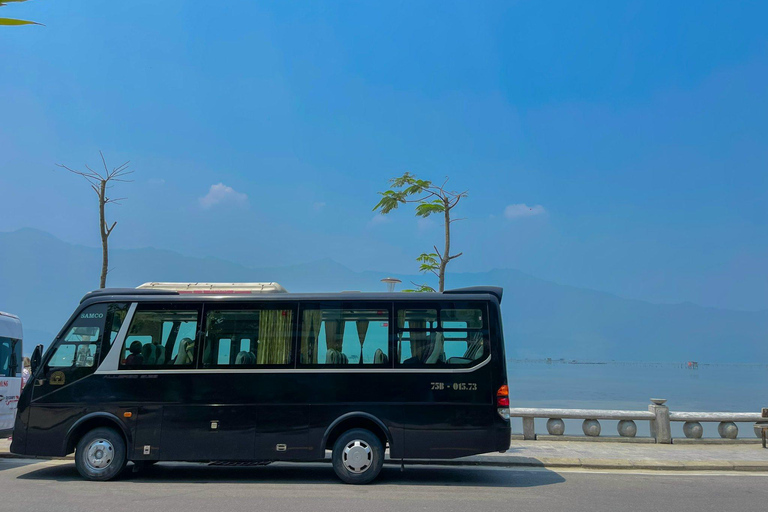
<point x="357" y="456"/>
<point x="99" y="455"/>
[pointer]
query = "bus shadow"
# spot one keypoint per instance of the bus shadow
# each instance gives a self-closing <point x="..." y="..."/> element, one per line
<point x="318" y="473"/>
<point x="7" y="463"/>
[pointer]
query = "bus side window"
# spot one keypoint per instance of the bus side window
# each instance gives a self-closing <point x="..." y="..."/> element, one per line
<point x="249" y="336"/>
<point x="445" y="336"/>
<point x="160" y="338"/>
<point x="334" y="336"/>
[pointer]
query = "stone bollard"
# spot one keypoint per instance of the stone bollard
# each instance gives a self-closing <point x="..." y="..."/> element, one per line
<point x="555" y="426"/>
<point x="728" y="430"/>
<point x="693" y="430"/>
<point x="660" y="426"/>
<point x="627" y="428"/>
<point x="591" y="428"/>
<point x="529" y="430"/>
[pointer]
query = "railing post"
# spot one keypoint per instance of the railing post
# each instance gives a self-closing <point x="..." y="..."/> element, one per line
<point x="660" y="426"/>
<point x="529" y="431"/>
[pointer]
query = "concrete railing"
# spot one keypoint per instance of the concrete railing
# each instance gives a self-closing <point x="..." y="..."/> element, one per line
<point x="658" y="415"/>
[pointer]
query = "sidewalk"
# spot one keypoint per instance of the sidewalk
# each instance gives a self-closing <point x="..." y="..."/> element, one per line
<point x="587" y="455"/>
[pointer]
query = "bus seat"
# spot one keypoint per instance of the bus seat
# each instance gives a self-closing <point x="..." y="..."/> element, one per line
<point x="379" y="357"/>
<point x="475" y="349"/>
<point x="148" y="354"/>
<point x="186" y="352"/>
<point x="245" y="357"/>
<point x="335" y="357"/>
<point x="159" y="353"/>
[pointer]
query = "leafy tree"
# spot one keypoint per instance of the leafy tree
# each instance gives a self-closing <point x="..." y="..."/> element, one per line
<point x="13" y="21"/>
<point x="101" y="183"/>
<point x="429" y="199"/>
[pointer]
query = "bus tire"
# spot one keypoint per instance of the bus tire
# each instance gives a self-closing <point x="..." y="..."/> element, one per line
<point x="358" y="456"/>
<point x="100" y="454"/>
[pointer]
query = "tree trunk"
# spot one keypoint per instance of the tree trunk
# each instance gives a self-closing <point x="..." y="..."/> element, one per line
<point x="447" y="249"/>
<point x="104" y="235"/>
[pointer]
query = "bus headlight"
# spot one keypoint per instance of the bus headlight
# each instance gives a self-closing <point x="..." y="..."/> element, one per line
<point x="503" y="412"/>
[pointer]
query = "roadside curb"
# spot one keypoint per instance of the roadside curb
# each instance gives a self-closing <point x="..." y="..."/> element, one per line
<point x="584" y="463"/>
<point x="548" y="463"/>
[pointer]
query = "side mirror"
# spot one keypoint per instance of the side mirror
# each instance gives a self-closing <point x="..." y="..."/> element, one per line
<point x="37" y="356"/>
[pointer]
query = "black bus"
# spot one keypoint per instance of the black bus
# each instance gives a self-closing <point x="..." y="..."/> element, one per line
<point x="148" y="375"/>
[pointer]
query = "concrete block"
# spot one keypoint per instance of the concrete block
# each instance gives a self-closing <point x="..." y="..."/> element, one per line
<point x="708" y="465"/>
<point x="715" y="440"/>
<point x="750" y="465"/>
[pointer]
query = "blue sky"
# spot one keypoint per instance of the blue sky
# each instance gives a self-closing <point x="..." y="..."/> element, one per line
<point x="636" y="131"/>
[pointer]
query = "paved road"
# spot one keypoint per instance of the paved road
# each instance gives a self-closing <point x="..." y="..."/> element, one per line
<point x="55" y="485"/>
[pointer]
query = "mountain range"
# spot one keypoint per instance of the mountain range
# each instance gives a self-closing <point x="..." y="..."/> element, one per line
<point x="42" y="279"/>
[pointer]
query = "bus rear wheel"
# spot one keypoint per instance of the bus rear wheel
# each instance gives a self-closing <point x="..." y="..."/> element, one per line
<point x="100" y="454"/>
<point x="358" y="456"/>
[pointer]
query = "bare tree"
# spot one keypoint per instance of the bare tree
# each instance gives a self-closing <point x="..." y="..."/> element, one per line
<point x="429" y="199"/>
<point x="101" y="183"/>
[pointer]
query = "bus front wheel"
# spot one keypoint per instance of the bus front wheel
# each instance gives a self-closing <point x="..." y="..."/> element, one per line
<point x="100" y="454"/>
<point x="357" y="456"/>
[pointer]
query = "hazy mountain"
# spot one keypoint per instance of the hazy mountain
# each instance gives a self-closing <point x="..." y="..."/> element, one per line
<point x="42" y="279"/>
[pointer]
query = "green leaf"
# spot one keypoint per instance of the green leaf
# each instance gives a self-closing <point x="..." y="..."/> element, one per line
<point x="427" y="209"/>
<point x="421" y="288"/>
<point x="429" y="262"/>
<point x="11" y="21"/>
<point x="388" y="202"/>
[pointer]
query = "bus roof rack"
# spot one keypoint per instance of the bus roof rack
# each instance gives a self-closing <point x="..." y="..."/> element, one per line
<point x="496" y="291"/>
<point x="216" y="288"/>
<point x="124" y="291"/>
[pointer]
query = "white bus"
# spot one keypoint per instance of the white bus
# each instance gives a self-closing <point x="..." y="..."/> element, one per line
<point x="10" y="370"/>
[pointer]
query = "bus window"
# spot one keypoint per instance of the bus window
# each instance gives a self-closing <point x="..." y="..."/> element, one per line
<point x="446" y="336"/>
<point x="80" y="346"/>
<point x="345" y="336"/>
<point x="115" y="317"/>
<point x="10" y="357"/>
<point x="160" y="338"/>
<point x="253" y="337"/>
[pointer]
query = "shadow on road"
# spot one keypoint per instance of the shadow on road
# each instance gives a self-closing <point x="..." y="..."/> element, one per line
<point x="284" y="473"/>
<point x="13" y="463"/>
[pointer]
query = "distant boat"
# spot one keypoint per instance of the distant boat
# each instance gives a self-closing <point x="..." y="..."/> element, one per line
<point x="693" y="365"/>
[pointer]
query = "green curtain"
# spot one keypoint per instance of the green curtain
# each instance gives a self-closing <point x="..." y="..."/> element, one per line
<point x="309" y="334"/>
<point x="274" y="337"/>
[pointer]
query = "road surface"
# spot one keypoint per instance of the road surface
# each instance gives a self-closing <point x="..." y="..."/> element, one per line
<point x="42" y="486"/>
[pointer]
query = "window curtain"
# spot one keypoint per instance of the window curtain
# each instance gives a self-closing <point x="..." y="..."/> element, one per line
<point x="309" y="336"/>
<point x="420" y="342"/>
<point x="362" y="330"/>
<point x="334" y="334"/>
<point x="274" y="337"/>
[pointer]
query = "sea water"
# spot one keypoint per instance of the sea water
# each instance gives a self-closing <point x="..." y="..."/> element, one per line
<point x="630" y="386"/>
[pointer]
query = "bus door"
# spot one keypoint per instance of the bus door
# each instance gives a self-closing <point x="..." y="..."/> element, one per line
<point x="447" y="396"/>
<point x="10" y="382"/>
<point x="251" y="409"/>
